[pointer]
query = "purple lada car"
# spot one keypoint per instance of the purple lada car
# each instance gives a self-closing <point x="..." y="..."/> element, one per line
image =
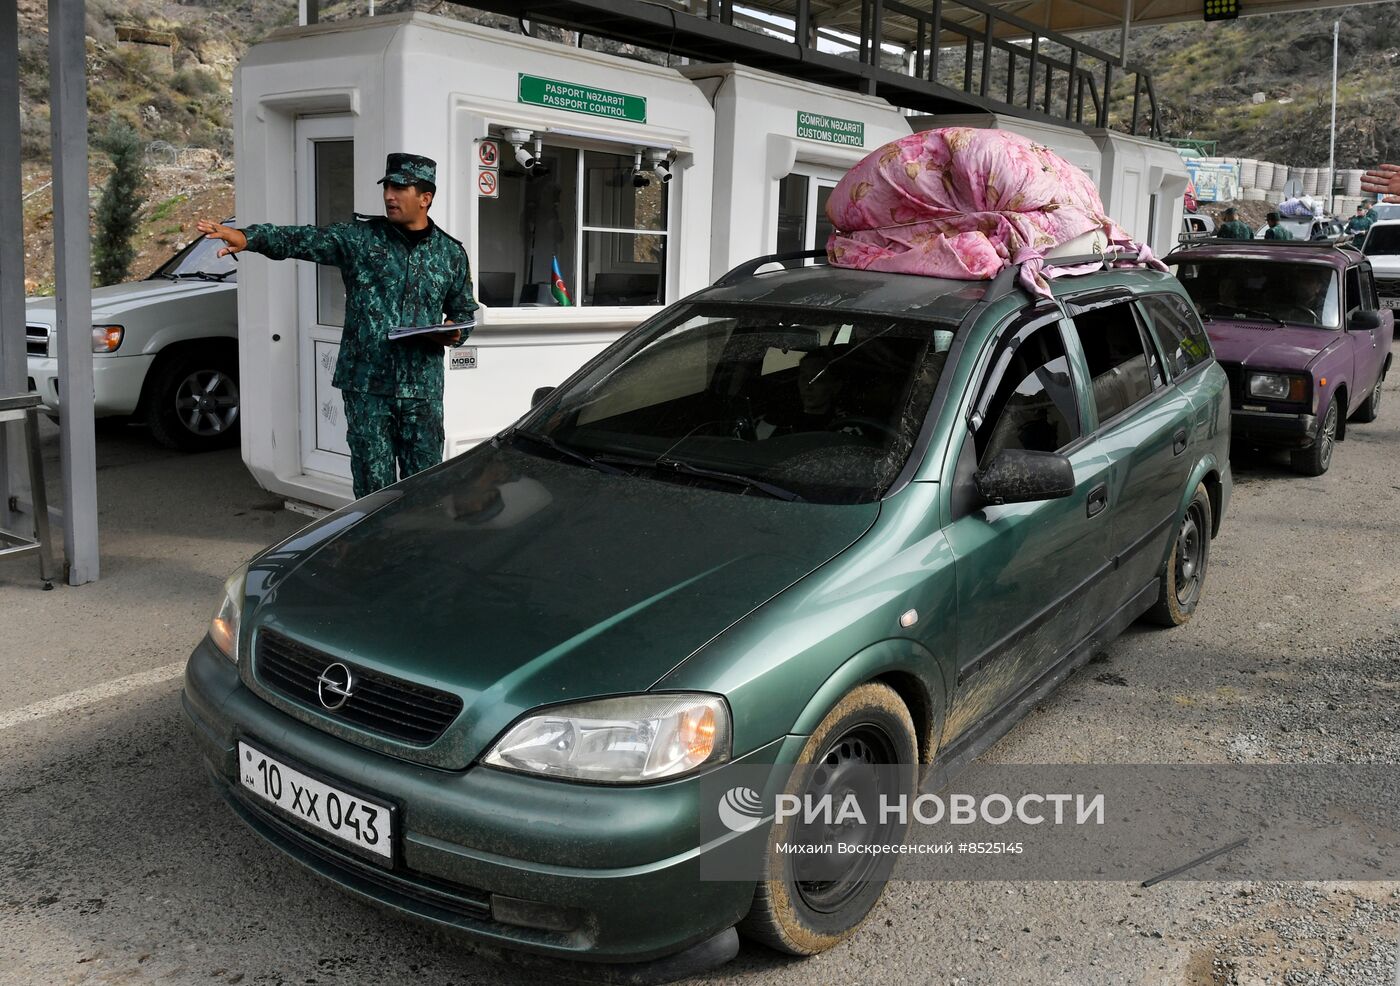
<point x="1298" y="330"/>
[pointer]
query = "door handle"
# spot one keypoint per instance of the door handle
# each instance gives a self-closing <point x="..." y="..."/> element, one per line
<point x="1179" y="442"/>
<point x="1098" y="499"/>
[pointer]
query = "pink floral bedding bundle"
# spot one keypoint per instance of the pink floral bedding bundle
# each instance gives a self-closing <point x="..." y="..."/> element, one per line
<point x="963" y="203"/>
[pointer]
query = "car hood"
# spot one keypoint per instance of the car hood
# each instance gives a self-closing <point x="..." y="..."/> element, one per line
<point x="1385" y="263"/>
<point x="518" y="582"/>
<point x="116" y="299"/>
<point x="1267" y="345"/>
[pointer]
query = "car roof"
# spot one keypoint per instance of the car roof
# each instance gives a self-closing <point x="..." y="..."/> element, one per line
<point x="1315" y="252"/>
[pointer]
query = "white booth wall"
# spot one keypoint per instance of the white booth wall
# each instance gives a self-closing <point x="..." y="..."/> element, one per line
<point x="771" y="183"/>
<point x="317" y="109"/>
<point x="1143" y="187"/>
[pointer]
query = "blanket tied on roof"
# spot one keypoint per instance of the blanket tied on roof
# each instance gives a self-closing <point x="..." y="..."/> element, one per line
<point x="964" y="203"/>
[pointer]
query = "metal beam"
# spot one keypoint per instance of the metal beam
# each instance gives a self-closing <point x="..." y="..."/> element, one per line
<point x="14" y="481"/>
<point x="73" y="281"/>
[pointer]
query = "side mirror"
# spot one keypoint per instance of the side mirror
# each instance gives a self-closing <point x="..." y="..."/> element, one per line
<point x="540" y="394"/>
<point x="1364" y="321"/>
<point x="1018" y="476"/>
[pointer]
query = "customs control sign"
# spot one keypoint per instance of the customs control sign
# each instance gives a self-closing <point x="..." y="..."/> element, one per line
<point x="830" y="129"/>
<point x="558" y="95"/>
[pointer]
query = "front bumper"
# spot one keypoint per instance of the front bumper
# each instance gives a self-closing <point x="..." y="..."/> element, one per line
<point x="1273" y="428"/>
<point x="615" y="870"/>
<point x="116" y="382"/>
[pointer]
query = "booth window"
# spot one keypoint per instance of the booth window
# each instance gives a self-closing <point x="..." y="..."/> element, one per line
<point x="802" y="222"/>
<point x="335" y="203"/>
<point x="608" y="235"/>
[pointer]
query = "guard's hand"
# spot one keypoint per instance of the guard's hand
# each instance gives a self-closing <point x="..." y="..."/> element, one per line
<point x="235" y="239"/>
<point x="1383" y="179"/>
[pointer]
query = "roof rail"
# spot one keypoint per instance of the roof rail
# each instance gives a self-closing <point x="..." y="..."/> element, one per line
<point x="749" y="266"/>
<point x="1003" y="284"/>
<point x="1343" y="241"/>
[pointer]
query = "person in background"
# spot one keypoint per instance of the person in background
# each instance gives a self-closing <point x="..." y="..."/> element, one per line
<point x="400" y="269"/>
<point x="1231" y="228"/>
<point x="1362" y="221"/>
<point x="1275" y="231"/>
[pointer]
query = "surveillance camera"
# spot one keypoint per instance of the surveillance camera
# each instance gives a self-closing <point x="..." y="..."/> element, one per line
<point x="539" y="169"/>
<point x="662" y="172"/>
<point x="639" y="178"/>
<point x="525" y="159"/>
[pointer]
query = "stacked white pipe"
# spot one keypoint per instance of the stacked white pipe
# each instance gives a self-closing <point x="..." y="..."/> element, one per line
<point x="1249" y="173"/>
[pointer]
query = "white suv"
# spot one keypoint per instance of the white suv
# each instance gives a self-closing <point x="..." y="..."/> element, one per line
<point x="165" y="350"/>
<point x="1382" y="247"/>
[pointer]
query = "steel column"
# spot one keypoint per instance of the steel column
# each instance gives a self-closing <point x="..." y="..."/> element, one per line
<point x="73" y="281"/>
<point x="13" y="474"/>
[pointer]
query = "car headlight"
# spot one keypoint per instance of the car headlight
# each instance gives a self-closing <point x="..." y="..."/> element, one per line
<point x="628" y="740"/>
<point x="223" y="628"/>
<point x="106" y="338"/>
<point x="1278" y="386"/>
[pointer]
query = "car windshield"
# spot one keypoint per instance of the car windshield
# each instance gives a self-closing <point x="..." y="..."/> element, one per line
<point x="199" y="261"/>
<point x="1262" y="290"/>
<point x="1381" y="241"/>
<point x="1386" y="210"/>
<point x="806" y="404"/>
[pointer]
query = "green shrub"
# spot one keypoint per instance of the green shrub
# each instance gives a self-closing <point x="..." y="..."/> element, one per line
<point x="122" y="196"/>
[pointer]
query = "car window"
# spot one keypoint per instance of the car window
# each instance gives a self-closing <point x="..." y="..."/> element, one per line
<point x="1369" y="301"/>
<point x="1355" y="297"/>
<point x="1029" y="402"/>
<point x="1262" y="290"/>
<point x="1120" y="370"/>
<point x="1178" y="330"/>
<point x="200" y="260"/>
<point x="821" y="404"/>
<point x="1382" y="241"/>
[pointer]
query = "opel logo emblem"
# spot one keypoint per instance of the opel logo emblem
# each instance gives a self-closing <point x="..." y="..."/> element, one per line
<point x="335" y="686"/>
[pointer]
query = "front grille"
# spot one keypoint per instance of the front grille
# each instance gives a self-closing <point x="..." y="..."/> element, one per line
<point x="393" y="708"/>
<point x="36" y="340"/>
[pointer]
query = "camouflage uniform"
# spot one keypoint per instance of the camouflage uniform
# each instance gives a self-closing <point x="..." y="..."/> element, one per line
<point x="1277" y="233"/>
<point x="1234" y="230"/>
<point x="392" y="390"/>
<point x="1361" y="223"/>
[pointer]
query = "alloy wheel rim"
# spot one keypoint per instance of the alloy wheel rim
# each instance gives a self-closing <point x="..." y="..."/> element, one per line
<point x="1190" y="555"/>
<point x="1329" y="434"/>
<point x="856" y="763"/>
<point x="206" y="403"/>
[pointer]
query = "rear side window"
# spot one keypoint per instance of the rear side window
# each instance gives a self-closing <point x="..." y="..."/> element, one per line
<point x="1031" y="404"/>
<point x="1118" y="361"/>
<point x="1179" y="332"/>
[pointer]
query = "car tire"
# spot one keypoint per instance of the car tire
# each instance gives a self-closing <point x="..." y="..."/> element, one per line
<point x="1184" y="573"/>
<point x="193" y="400"/>
<point x="1317" y="459"/>
<point x="871" y="724"/>
<point x="1369" y="411"/>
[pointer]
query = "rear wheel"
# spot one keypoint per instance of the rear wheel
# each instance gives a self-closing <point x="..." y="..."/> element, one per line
<point x="807" y="904"/>
<point x="1315" y="461"/>
<point x="193" y="404"/>
<point x="1372" y="408"/>
<point x="1184" y="575"/>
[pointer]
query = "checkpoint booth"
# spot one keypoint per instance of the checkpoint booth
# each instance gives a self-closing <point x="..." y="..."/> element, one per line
<point x="780" y="147"/>
<point x="547" y="155"/>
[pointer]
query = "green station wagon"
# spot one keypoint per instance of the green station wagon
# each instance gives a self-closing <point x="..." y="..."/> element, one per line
<point x="807" y="515"/>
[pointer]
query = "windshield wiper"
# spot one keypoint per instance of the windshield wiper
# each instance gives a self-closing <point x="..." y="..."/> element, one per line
<point x="199" y="275"/>
<point x="564" y="450"/>
<point x="662" y="464"/>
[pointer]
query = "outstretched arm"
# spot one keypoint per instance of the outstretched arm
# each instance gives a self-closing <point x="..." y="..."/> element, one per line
<point x="1383" y="179"/>
<point x="321" y="244"/>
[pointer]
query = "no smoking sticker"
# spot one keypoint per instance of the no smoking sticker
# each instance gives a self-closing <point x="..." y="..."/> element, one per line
<point x="486" y="184"/>
<point x="488" y="153"/>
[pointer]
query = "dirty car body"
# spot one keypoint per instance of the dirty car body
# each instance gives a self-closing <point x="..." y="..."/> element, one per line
<point x="695" y="520"/>
<point x="1299" y="330"/>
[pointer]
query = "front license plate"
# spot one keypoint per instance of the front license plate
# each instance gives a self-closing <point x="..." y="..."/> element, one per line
<point x="348" y="818"/>
<point x="1390" y="302"/>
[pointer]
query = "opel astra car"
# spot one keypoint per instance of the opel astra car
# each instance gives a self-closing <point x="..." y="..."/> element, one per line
<point x="805" y="516"/>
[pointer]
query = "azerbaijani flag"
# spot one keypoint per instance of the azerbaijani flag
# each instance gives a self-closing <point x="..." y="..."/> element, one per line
<point x="559" y="289"/>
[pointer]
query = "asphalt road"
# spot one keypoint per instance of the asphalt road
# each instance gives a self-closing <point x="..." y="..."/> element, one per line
<point x="119" y="865"/>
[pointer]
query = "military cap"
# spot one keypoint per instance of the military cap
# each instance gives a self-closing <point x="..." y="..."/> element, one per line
<point x="410" y="169"/>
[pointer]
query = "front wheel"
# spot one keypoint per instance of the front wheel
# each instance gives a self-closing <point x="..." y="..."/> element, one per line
<point x="1316" y="460"/>
<point x="866" y="746"/>
<point x="194" y="400"/>
<point x="1184" y="575"/>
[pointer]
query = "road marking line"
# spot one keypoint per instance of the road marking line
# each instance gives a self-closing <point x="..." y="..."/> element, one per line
<point x="89" y="696"/>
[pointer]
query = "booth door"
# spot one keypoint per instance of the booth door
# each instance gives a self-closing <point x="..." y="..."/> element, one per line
<point x="325" y="194"/>
<point x="802" y="222"/>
